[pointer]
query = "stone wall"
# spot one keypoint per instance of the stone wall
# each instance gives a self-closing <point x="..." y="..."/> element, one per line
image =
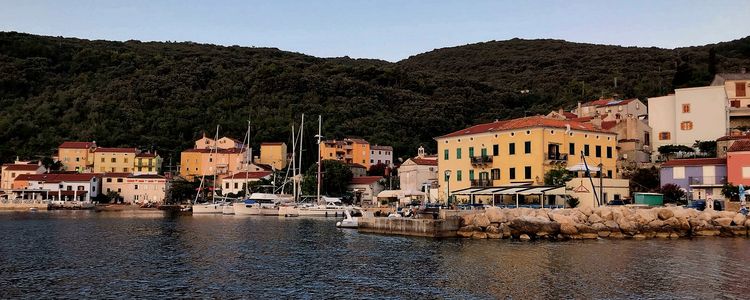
<point x="604" y="222"/>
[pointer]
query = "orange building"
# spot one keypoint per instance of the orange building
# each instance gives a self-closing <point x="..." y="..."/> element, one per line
<point x="76" y="156"/>
<point x="207" y="162"/>
<point x="348" y="150"/>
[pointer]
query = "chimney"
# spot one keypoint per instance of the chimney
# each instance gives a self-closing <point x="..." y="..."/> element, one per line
<point x="597" y="122"/>
<point x="578" y="112"/>
<point x="743" y="70"/>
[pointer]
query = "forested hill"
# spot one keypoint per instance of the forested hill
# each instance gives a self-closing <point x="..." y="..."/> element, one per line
<point x="164" y="95"/>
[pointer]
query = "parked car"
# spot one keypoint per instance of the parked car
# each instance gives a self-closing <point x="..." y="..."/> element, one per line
<point x="701" y="205"/>
<point x="616" y="202"/>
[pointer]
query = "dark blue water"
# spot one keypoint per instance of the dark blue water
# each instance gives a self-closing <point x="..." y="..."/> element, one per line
<point x="78" y="254"/>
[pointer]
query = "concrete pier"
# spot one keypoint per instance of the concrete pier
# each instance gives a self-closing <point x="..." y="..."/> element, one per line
<point x="23" y="205"/>
<point x="412" y="227"/>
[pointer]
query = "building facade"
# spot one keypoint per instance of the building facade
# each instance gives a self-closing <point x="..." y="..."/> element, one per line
<point x="147" y="163"/>
<point x="76" y="156"/>
<point x="274" y="154"/>
<point x="520" y="151"/>
<point x="613" y="109"/>
<point x="688" y="115"/>
<point x="114" y="159"/>
<point x="738" y="163"/>
<point x="365" y="189"/>
<point x="236" y="182"/>
<point x="381" y="155"/>
<point x="419" y="173"/>
<point x="737" y="88"/>
<point x="348" y="150"/>
<point x="141" y="189"/>
<point x="11" y="171"/>
<point x="77" y="187"/>
<point x="700" y="178"/>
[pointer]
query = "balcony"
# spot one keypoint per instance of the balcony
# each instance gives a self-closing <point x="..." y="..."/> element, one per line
<point x="481" y="183"/>
<point x="707" y="181"/>
<point x="556" y="157"/>
<point x="481" y="160"/>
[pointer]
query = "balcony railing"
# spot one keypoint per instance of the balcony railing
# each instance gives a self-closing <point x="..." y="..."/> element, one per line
<point x="556" y="156"/>
<point x="708" y="180"/>
<point x="481" y="160"/>
<point x="481" y="183"/>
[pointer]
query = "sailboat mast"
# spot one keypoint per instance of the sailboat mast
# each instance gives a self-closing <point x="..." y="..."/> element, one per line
<point x="299" y="165"/>
<point x="247" y="152"/>
<point x="215" y="151"/>
<point x="294" y="160"/>
<point x="319" y="136"/>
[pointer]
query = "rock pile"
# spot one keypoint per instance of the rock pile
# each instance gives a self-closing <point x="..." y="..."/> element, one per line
<point x="604" y="222"/>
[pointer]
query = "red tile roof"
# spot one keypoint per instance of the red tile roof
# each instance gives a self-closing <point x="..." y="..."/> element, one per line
<point x="617" y="102"/>
<point x="145" y="154"/>
<point x="597" y="102"/>
<point x="528" y="122"/>
<point x="219" y="151"/>
<point x="741" y="145"/>
<point x="365" y="180"/>
<point x="733" y="137"/>
<point x="425" y="162"/>
<point x="695" y="162"/>
<point x="21" y="167"/>
<point x="249" y="175"/>
<point x="77" y="145"/>
<point x="356" y="165"/>
<point x="607" y="125"/>
<point x="570" y="115"/>
<point x="386" y="148"/>
<point x="116" y="150"/>
<point x="58" y="177"/>
<point x="272" y="143"/>
<point x="116" y="174"/>
<point x="147" y="176"/>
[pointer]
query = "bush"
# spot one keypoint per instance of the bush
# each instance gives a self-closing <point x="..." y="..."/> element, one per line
<point x="673" y="194"/>
<point x="572" y="202"/>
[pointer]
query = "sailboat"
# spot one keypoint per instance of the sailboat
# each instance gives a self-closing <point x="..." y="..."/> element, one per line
<point x="325" y="206"/>
<point x="212" y="207"/>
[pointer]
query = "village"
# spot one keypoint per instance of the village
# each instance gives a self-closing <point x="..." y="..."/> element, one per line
<point x="695" y="138"/>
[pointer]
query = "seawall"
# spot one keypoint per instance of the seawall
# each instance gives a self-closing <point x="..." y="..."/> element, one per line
<point x="414" y="227"/>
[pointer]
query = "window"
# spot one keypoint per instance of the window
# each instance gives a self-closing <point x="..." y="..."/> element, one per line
<point x="609" y="173"/>
<point x="125" y="170"/>
<point x="572" y="149"/>
<point x="495" y="174"/>
<point x="739" y="89"/>
<point x="102" y="159"/>
<point x="527" y="147"/>
<point x="586" y="150"/>
<point x="512" y="173"/>
<point x="445" y="154"/>
<point x="678" y="173"/>
<point x="687" y="125"/>
<point x="685" y="108"/>
<point x="745" y="172"/>
<point x="512" y="148"/>
<point x="458" y="153"/>
<point x="646" y="138"/>
<point x="471" y="174"/>
<point x="484" y="152"/>
<point x="495" y="150"/>
<point x="114" y="159"/>
<point x="598" y="151"/>
<point x="136" y="187"/>
<point x="125" y="160"/>
<point x="527" y="172"/>
<point x="109" y="179"/>
<point x="119" y="180"/>
<point x="226" y="185"/>
<point x="236" y="185"/>
<point x="471" y="151"/>
<point x="609" y="152"/>
<point x="458" y="175"/>
<point x="664" y="135"/>
<point x="80" y="188"/>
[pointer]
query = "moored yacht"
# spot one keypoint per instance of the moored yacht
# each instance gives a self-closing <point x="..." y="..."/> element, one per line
<point x="332" y="208"/>
<point x="259" y="204"/>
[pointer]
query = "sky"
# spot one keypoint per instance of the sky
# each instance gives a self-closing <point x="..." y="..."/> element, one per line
<point x="388" y="30"/>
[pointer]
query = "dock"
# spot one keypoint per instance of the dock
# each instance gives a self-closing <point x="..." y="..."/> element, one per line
<point x="436" y="228"/>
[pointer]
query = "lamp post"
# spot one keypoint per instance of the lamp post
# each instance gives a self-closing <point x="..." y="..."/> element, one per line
<point x="448" y="180"/>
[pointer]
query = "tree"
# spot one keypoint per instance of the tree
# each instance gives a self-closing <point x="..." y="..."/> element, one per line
<point x="572" y="201"/>
<point x="183" y="190"/>
<point x="670" y="150"/>
<point x="730" y="191"/>
<point x="557" y="177"/>
<point x="644" y="180"/>
<point x="673" y="193"/>
<point x="112" y="196"/>
<point x="335" y="177"/>
<point x="708" y="148"/>
<point x="377" y="170"/>
<point x="51" y="165"/>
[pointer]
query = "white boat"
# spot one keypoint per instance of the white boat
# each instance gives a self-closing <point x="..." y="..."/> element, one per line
<point x="332" y="208"/>
<point x="209" y="208"/>
<point x="349" y="221"/>
<point x="258" y="204"/>
<point x="228" y="209"/>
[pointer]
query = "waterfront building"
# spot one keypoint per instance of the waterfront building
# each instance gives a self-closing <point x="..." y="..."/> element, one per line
<point x="633" y="141"/>
<point x="348" y="150"/>
<point x="611" y="109"/>
<point x="700" y="178"/>
<point x="147" y="163"/>
<point x="381" y="155"/>
<point x="207" y="162"/>
<point x="723" y="143"/>
<point x="737" y="89"/>
<point x="365" y="189"/>
<point x="688" y="115"/>
<point x="75" y="187"/>
<point x="608" y="189"/>
<point x="738" y="163"/>
<point x="274" y="154"/>
<point x="114" y="159"/>
<point x="11" y="171"/>
<point x="419" y="173"/>
<point x="520" y="151"/>
<point x="147" y="188"/>
<point x="76" y="156"/>
<point x="236" y="182"/>
<point x="114" y="182"/>
<point x="357" y="170"/>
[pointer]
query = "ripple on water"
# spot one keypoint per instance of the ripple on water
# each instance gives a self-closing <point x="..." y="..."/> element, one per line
<point x="126" y="255"/>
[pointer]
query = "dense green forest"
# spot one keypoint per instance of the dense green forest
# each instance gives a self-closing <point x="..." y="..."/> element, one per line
<point x="162" y="95"/>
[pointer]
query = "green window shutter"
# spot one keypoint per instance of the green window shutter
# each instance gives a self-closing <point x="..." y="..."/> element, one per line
<point x="484" y="152"/>
<point x="471" y="174"/>
<point x="471" y="151"/>
<point x="446" y="154"/>
<point x="458" y="153"/>
<point x="458" y="175"/>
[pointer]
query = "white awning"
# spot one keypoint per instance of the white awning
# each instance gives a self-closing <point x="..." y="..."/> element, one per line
<point x="468" y="191"/>
<point x="389" y="194"/>
<point x="408" y="193"/>
<point x="511" y="191"/>
<point x="581" y="167"/>
<point x="547" y="190"/>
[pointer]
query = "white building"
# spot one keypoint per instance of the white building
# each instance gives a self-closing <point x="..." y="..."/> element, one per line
<point x="77" y="187"/>
<point x="612" y="108"/>
<point x="688" y="115"/>
<point x="381" y="155"/>
<point x="236" y="183"/>
<point x="365" y="189"/>
<point x="419" y="173"/>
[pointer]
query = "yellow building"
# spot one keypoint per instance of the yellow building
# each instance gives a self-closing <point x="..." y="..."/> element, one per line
<point x="273" y="154"/>
<point x="222" y="143"/>
<point x="520" y="151"/>
<point x="76" y="156"/>
<point x="222" y="162"/>
<point x="349" y="150"/>
<point x="147" y="163"/>
<point x="114" y="159"/>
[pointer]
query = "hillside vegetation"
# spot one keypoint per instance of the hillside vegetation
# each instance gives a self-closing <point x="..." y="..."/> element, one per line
<point x="164" y="95"/>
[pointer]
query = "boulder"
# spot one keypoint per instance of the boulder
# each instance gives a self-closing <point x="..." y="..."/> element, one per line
<point x="663" y="235"/>
<point x="504" y="230"/>
<point x="612" y="226"/>
<point x="656" y="225"/>
<point x="739" y="220"/>
<point x="595" y="218"/>
<point x="495" y="215"/>
<point x="604" y="234"/>
<point x="726" y="214"/>
<point x="665" y="214"/>
<point x="568" y="228"/>
<point x="466" y="231"/>
<point x="590" y="236"/>
<point x="628" y="227"/>
<point x="479" y="235"/>
<point x="481" y="220"/>
<point x="723" y="222"/>
<point x="524" y="237"/>
<point x="534" y="226"/>
<point x="747" y="223"/>
<point x="599" y="227"/>
<point x="467" y="219"/>
<point x="646" y="215"/>
<point x="583" y="228"/>
<point x="586" y="210"/>
<point x="616" y="235"/>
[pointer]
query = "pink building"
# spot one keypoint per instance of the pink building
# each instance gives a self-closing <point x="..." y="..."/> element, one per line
<point x="738" y="163"/>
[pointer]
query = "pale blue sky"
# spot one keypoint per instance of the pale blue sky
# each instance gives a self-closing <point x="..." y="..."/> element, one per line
<point x="390" y="30"/>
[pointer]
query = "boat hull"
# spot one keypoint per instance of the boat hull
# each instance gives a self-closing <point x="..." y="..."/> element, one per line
<point x="254" y="210"/>
<point x="320" y="212"/>
<point x="208" y="208"/>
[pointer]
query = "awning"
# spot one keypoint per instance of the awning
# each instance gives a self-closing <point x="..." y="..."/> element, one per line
<point x="512" y="191"/>
<point x="468" y="191"/>
<point x="389" y="194"/>
<point x="581" y="167"/>
<point x="547" y="190"/>
<point x="408" y="193"/>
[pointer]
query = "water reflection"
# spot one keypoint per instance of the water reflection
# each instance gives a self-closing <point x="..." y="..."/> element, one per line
<point x="126" y="255"/>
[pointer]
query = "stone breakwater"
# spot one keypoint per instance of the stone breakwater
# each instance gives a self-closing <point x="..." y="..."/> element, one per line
<point x="603" y="222"/>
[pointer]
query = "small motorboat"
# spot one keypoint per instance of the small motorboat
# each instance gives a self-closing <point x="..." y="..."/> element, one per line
<point x="349" y="221"/>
